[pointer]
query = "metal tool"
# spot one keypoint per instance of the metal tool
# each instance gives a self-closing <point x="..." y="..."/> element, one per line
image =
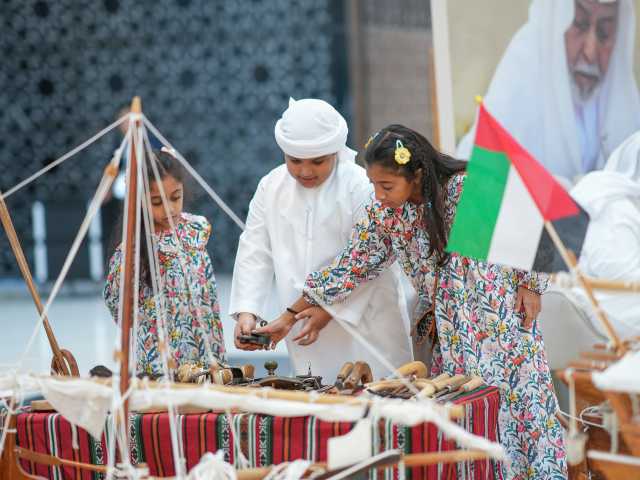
<point x="260" y="339"/>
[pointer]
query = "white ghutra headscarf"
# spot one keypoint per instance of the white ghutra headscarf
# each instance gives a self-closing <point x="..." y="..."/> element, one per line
<point x="312" y="128"/>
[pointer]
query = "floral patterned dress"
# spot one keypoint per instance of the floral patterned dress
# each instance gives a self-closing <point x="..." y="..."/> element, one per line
<point x="479" y="331"/>
<point x="189" y="295"/>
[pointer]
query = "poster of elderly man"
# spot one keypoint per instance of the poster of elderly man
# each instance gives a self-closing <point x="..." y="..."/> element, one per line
<point x="560" y="75"/>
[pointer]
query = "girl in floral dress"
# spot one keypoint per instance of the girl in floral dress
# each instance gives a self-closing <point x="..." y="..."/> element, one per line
<point x="484" y="315"/>
<point x="187" y="285"/>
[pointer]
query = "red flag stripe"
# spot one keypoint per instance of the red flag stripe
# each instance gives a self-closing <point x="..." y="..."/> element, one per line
<point x="551" y="199"/>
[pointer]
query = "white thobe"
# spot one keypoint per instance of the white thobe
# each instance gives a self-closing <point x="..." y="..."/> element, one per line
<point x="292" y="231"/>
<point x="611" y="248"/>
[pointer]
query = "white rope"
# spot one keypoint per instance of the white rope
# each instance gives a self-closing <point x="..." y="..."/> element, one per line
<point x="612" y="457"/>
<point x="11" y="411"/>
<point x="66" y="156"/>
<point x="580" y="419"/>
<point x="94" y="206"/>
<point x="186" y="269"/>
<point x="151" y="245"/>
<point x="235" y="438"/>
<point x="289" y="470"/>
<point x="178" y="454"/>
<point x="216" y="198"/>
<point x="212" y="467"/>
<point x="110" y="433"/>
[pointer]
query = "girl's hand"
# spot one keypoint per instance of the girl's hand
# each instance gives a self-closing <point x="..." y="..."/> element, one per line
<point x="528" y="302"/>
<point x="279" y="328"/>
<point x="316" y="320"/>
<point x="245" y="324"/>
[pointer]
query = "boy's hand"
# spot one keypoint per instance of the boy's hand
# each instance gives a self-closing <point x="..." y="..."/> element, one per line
<point x="245" y="324"/>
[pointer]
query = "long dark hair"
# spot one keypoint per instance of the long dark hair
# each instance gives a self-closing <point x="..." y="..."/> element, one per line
<point x="436" y="168"/>
<point x="168" y="166"/>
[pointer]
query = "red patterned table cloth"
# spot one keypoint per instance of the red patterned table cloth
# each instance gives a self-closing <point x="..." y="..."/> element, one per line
<point x="261" y="439"/>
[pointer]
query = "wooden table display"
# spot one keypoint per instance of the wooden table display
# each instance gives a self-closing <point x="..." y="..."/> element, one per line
<point x="263" y="439"/>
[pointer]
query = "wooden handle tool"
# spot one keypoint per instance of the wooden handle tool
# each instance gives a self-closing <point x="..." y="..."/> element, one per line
<point x="472" y="384"/>
<point x="361" y="373"/>
<point x="343" y="374"/>
<point x="416" y="369"/>
<point x="453" y="382"/>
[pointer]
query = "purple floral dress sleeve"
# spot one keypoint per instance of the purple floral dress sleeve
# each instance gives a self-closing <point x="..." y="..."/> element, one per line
<point x="368" y="253"/>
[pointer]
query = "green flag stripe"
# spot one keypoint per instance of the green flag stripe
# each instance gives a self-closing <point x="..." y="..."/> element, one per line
<point x="479" y="206"/>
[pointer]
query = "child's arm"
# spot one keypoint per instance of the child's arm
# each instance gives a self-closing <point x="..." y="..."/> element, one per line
<point x="253" y="270"/>
<point x="368" y="253"/>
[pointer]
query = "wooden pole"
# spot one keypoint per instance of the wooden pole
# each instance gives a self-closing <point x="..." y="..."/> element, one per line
<point x="129" y="249"/>
<point x="570" y="260"/>
<point x="63" y="362"/>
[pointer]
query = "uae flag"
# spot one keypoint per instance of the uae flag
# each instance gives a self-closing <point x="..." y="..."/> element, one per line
<point x="507" y="198"/>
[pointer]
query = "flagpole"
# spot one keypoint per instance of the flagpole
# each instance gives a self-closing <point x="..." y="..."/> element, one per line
<point x="570" y="260"/>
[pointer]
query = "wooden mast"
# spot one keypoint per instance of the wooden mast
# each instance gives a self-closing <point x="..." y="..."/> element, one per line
<point x="63" y="362"/>
<point x="129" y="263"/>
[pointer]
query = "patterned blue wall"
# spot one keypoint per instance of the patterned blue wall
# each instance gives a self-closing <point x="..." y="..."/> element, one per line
<point x="213" y="77"/>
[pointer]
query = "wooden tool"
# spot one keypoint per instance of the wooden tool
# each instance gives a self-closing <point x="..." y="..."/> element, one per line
<point x="413" y="369"/>
<point x="453" y="384"/>
<point x="360" y="374"/>
<point x="63" y="362"/>
<point x="454" y="381"/>
<point x="475" y="382"/>
<point x="343" y="374"/>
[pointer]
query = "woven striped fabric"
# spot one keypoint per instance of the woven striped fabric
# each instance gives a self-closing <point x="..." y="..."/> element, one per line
<point x="255" y="440"/>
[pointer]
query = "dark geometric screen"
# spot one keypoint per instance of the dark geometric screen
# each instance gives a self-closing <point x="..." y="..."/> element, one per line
<point x="213" y="76"/>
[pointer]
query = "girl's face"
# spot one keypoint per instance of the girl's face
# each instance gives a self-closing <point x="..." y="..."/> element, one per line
<point x="392" y="189"/>
<point x="310" y="172"/>
<point x="174" y="194"/>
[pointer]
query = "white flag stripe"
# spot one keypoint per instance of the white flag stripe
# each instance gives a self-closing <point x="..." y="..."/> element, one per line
<point x="518" y="227"/>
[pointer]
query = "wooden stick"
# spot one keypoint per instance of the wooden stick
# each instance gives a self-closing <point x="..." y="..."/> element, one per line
<point x="613" y="285"/>
<point x="59" y="363"/>
<point x="129" y="247"/>
<point x="54" y="461"/>
<point x="609" y="285"/>
<point x="570" y="260"/>
<point x="410" y="460"/>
